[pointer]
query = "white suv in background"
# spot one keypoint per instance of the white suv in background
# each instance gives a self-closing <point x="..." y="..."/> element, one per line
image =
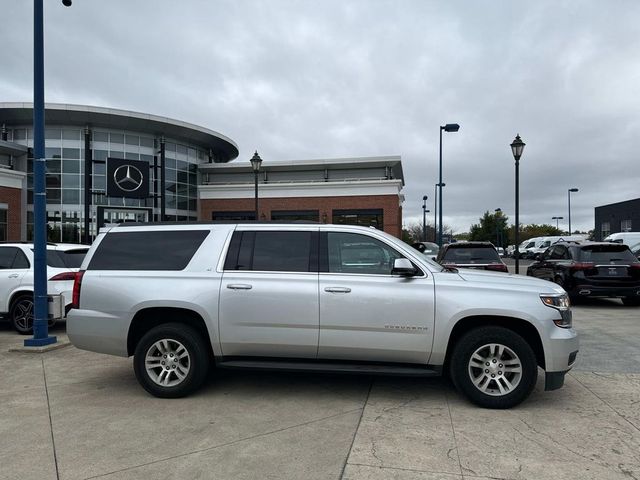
<point x="16" y="279"/>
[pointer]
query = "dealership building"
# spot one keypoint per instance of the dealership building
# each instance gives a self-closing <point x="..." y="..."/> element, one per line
<point x="617" y="217"/>
<point x="108" y="166"/>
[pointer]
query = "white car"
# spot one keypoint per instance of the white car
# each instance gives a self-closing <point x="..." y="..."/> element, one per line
<point x="16" y="279"/>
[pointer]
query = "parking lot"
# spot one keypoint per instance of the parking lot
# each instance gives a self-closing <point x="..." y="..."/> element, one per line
<point x="71" y="414"/>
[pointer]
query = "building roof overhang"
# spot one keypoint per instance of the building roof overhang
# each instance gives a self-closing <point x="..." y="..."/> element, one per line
<point x="16" y="113"/>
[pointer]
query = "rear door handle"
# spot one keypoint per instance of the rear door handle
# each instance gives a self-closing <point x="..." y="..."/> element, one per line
<point x="337" y="289"/>
<point x="239" y="286"/>
<point x="13" y="275"/>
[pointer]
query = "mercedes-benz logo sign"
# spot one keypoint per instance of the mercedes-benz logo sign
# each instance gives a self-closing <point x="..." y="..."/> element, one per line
<point x="128" y="178"/>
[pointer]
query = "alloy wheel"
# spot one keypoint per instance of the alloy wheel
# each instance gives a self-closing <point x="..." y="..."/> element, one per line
<point x="167" y="362"/>
<point x="495" y="369"/>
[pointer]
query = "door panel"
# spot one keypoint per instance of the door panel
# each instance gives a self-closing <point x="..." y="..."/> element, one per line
<point x="269" y="314"/>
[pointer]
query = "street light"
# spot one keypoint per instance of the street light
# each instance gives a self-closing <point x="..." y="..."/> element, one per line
<point x="40" y="301"/>
<point x="498" y="212"/>
<point x="449" y="127"/>
<point x="571" y="190"/>
<point x="435" y="212"/>
<point x="256" y="161"/>
<point x="556" y="219"/>
<point x="517" y="146"/>
<point x="424" y="218"/>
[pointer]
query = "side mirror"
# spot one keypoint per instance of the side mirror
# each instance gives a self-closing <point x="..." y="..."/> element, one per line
<point x="403" y="267"/>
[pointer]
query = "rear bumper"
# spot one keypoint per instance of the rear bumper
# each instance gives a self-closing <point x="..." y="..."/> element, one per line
<point x="586" y="290"/>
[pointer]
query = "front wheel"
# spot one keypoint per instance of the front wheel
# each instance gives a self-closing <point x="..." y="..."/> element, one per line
<point x="494" y="367"/>
<point x="171" y="360"/>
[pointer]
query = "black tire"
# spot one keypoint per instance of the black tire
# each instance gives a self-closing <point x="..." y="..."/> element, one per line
<point x="461" y="372"/>
<point x="21" y="314"/>
<point x="197" y="359"/>
<point x="631" y="301"/>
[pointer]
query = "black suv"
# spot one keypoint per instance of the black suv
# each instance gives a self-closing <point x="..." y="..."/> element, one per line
<point x="591" y="269"/>
<point x="480" y="255"/>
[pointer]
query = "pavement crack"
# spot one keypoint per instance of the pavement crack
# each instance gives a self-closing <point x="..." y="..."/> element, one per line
<point x="53" y="440"/>
<point x="453" y="430"/>
<point x="355" y="433"/>
<point x="225" y="444"/>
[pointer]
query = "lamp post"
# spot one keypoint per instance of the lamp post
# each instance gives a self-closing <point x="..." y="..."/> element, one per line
<point x="569" y="192"/>
<point x="449" y="127"/>
<point x="556" y="219"/>
<point x="498" y="212"/>
<point x="435" y="212"/>
<point x="256" y="161"/>
<point x="40" y="302"/>
<point x="424" y="218"/>
<point x="517" y="146"/>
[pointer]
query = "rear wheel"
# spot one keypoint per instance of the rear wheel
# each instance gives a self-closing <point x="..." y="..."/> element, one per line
<point x="21" y="314"/>
<point x="494" y="367"/>
<point x="171" y="360"/>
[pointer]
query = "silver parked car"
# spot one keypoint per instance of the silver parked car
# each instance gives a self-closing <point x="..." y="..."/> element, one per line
<point x="181" y="298"/>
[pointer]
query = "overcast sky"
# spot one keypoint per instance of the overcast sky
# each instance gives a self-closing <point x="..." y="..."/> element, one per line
<point x="324" y="79"/>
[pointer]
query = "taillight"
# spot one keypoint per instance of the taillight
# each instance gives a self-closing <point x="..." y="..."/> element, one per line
<point x="498" y="267"/>
<point x="582" y="266"/>
<point x="64" y="276"/>
<point x="75" y="298"/>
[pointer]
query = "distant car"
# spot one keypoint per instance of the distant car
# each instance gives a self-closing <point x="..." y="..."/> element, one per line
<point x="628" y="238"/>
<point x="500" y="251"/>
<point x="635" y="249"/>
<point x="16" y="280"/>
<point x="429" y="249"/>
<point x="591" y="269"/>
<point x="478" y="255"/>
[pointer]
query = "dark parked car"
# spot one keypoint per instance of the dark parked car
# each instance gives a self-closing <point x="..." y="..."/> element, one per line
<point x="591" y="269"/>
<point x="480" y="255"/>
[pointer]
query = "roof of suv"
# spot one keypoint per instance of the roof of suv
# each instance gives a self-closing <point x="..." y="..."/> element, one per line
<point x="470" y="245"/>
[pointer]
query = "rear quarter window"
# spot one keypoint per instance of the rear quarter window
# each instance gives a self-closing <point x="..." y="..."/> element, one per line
<point x="151" y="250"/>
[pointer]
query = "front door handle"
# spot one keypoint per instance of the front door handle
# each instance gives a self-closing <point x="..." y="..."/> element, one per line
<point x="13" y="275"/>
<point x="337" y="289"/>
<point x="239" y="286"/>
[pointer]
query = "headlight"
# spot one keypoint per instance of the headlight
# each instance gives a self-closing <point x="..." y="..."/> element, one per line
<point x="559" y="301"/>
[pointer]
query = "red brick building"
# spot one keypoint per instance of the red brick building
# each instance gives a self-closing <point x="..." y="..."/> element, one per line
<point x="356" y="191"/>
<point x="12" y="205"/>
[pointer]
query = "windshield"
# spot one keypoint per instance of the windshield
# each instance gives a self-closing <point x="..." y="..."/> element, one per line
<point x="462" y="255"/>
<point x="607" y="254"/>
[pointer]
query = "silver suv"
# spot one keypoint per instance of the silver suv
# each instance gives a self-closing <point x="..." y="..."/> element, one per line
<point x="181" y="298"/>
<point x="16" y="279"/>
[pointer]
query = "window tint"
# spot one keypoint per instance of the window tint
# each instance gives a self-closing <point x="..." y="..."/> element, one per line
<point x="68" y="259"/>
<point x="271" y="252"/>
<point x="559" y="253"/>
<point x="606" y="254"/>
<point x="12" y="257"/>
<point x="151" y="250"/>
<point x="471" y="255"/>
<point x="355" y="253"/>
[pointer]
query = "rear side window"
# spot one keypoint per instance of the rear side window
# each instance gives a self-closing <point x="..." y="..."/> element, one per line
<point x="12" y="257"/>
<point x="471" y="255"/>
<point x="272" y="252"/>
<point x="151" y="250"/>
<point x="607" y="254"/>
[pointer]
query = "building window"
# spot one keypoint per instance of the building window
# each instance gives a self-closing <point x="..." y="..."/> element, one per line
<point x="233" y="216"/>
<point x="365" y="218"/>
<point x="3" y="225"/>
<point x="625" y="226"/>
<point x="605" y="228"/>
<point x="295" y="215"/>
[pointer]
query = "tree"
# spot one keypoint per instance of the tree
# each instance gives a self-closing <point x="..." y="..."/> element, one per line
<point x="492" y="228"/>
<point x="533" y="230"/>
<point x="413" y="232"/>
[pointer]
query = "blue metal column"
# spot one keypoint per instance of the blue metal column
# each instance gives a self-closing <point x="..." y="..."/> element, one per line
<point x="40" y="327"/>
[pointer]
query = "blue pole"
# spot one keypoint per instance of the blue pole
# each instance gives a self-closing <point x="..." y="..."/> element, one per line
<point x="40" y="326"/>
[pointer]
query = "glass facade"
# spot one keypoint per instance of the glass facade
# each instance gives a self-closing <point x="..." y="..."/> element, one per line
<point x="64" y="151"/>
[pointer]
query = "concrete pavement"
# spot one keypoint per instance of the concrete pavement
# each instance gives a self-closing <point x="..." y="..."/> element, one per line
<point x="71" y="414"/>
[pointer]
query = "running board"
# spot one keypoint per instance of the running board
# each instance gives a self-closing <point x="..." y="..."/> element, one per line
<point x="331" y="367"/>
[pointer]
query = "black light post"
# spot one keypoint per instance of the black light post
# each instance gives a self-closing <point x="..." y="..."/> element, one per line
<point x="256" y="161"/>
<point x="556" y="219"/>
<point x="497" y="217"/>
<point x="449" y="127"/>
<point x="424" y="218"/>
<point x="569" y="192"/>
<point x="517" y="146"/>
<point x="40" y="301"/>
